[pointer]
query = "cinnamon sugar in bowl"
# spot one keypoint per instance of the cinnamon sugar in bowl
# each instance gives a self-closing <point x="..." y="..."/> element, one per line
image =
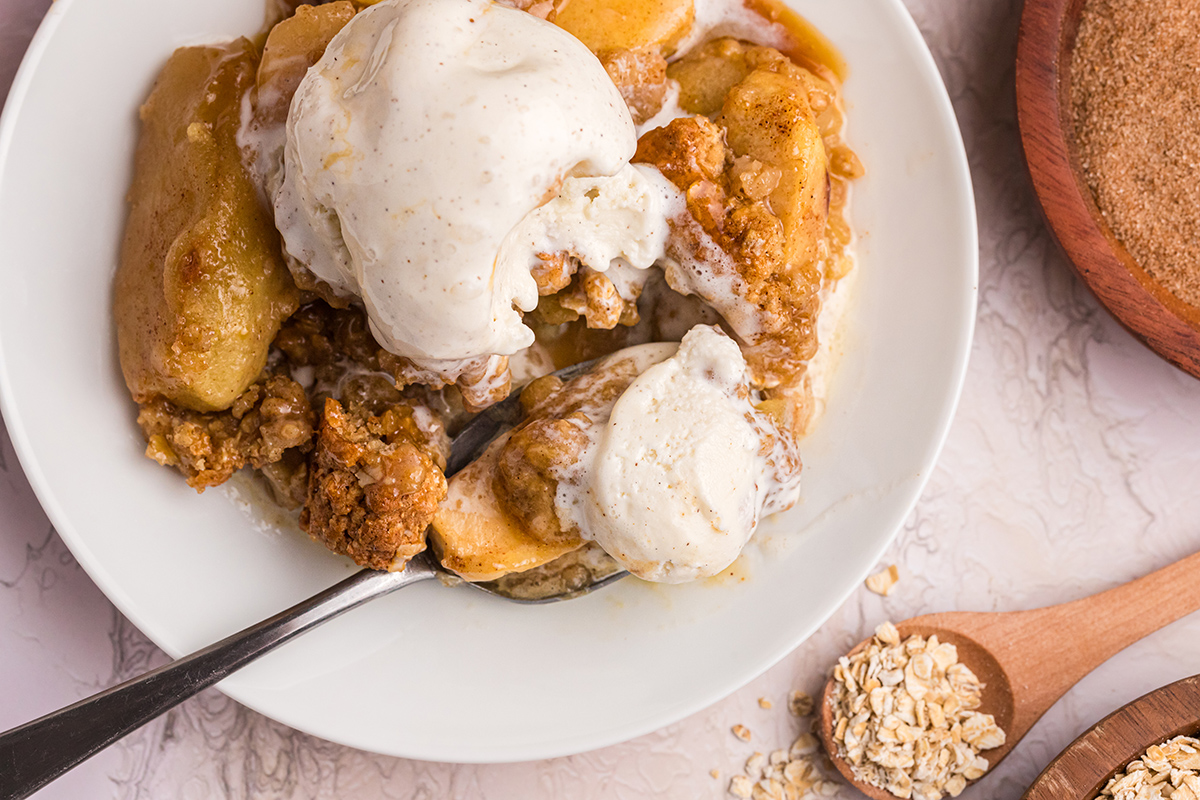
<point x="1108" y="99"/>
<point x="1135" y="113"/>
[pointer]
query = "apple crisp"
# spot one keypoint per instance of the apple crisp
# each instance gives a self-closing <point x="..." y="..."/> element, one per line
<point x="241" y="354"/>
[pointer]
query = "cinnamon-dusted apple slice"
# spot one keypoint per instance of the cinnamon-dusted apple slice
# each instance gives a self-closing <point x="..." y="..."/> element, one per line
<point x="476" y="538"/>
<point x="756" y="182"/>
<point x="632" y="39"/>
<point x="201" y="288"/>
<point x="627" y="24"/>
<point x="292" y="46"/>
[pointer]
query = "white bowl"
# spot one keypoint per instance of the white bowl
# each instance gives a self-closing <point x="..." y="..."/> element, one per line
<point x="451" y="674"/>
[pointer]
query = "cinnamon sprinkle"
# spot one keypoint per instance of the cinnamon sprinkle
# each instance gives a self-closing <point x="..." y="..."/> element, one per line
<point x="1135" y="103"/>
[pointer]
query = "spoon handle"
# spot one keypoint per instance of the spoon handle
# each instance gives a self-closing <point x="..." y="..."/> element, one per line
<point x="1048" y="650"/>
<point x="37" y="752"/>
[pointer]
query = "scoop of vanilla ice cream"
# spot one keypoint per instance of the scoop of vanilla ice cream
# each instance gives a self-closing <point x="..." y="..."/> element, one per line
<point x="682" y="469"/>
<point x="425" y="134"/>
<point x="609" y="223"/>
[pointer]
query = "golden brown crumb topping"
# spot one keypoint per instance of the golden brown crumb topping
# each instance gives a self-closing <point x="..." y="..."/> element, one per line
<point x="764" y="174"/>
<point x="268" y="419"/>
<point x="542" y="450"/>
<point x="728" y="204"/>
<point x="570" y="292"/>
<point x="328" y="338"/>
<point x="323" y="337"/>
<point x="593" y="296"/>
<point x="553" y="272"/>
<point x="373" y="489"/>
<point x="528" y="472"/>
<point x="765" y="185"/>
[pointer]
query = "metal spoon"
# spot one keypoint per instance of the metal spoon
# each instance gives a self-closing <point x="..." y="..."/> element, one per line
<point x="37" y="752"/>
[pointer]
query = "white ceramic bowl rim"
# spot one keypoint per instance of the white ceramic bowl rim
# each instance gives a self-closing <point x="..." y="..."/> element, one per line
<point x="837" y="531"/>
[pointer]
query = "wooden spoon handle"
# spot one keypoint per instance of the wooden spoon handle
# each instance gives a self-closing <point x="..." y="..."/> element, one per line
<point x="1047" y="651"/>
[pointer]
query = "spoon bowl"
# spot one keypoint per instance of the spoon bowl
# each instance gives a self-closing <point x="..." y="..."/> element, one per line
<point x="997" y="698"/>
<point x="1027" y="660"/>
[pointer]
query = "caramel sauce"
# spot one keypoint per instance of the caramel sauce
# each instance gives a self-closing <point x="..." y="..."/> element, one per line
<point x="810" y="48"/>
<point x="574" y="342"/>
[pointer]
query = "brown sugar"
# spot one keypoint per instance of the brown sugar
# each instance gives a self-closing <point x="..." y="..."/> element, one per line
<point x="1135" y="103"/>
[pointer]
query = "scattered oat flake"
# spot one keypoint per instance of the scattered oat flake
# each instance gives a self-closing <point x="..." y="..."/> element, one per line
<point x="805" y="745"/>
<point x="800" y="772"/>
<point x="768" y="789"/>
<point x="881" y="583"/>
<point x="800" y="703"/>
<point x="715" y="773"/>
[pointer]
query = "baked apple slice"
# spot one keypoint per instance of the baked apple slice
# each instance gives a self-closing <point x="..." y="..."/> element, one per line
<point x="201" y="288"/>
<point x="476" y="537"/>
<point x="627" y="24"/>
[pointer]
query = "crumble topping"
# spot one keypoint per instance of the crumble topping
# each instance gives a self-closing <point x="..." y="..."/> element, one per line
<point x="374" y="486"/>
<point x="264" y="422"/>
<point x="753" y="236"/>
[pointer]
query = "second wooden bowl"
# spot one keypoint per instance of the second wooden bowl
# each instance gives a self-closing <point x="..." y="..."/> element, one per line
<point x="1146" y="308"/>
<point x="1085" y="767"/>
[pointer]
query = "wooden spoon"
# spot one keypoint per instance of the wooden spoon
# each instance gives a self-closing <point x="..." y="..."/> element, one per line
<point x="1029" y="659"/>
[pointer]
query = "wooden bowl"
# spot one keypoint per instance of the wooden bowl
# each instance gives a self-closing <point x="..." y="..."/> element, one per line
<point x="1145" y="307"/>
<point x="1083" y="769"/>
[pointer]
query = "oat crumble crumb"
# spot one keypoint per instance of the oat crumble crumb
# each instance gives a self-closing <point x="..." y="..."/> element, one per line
<point x="798" y="772"/>
<point x="882" y="583"/>
<point x="800" y="704"/>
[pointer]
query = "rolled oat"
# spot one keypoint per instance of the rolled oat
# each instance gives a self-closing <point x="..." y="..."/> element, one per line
<point x="905" y="720"/>
<point x="1167" y="770"/>
<point x="792" y="773"/>
<point x="881" y="583"/>
<point x="800" y="704"/>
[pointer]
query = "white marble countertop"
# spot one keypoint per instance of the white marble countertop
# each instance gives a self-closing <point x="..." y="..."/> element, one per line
<point x="1071" y="467"/>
